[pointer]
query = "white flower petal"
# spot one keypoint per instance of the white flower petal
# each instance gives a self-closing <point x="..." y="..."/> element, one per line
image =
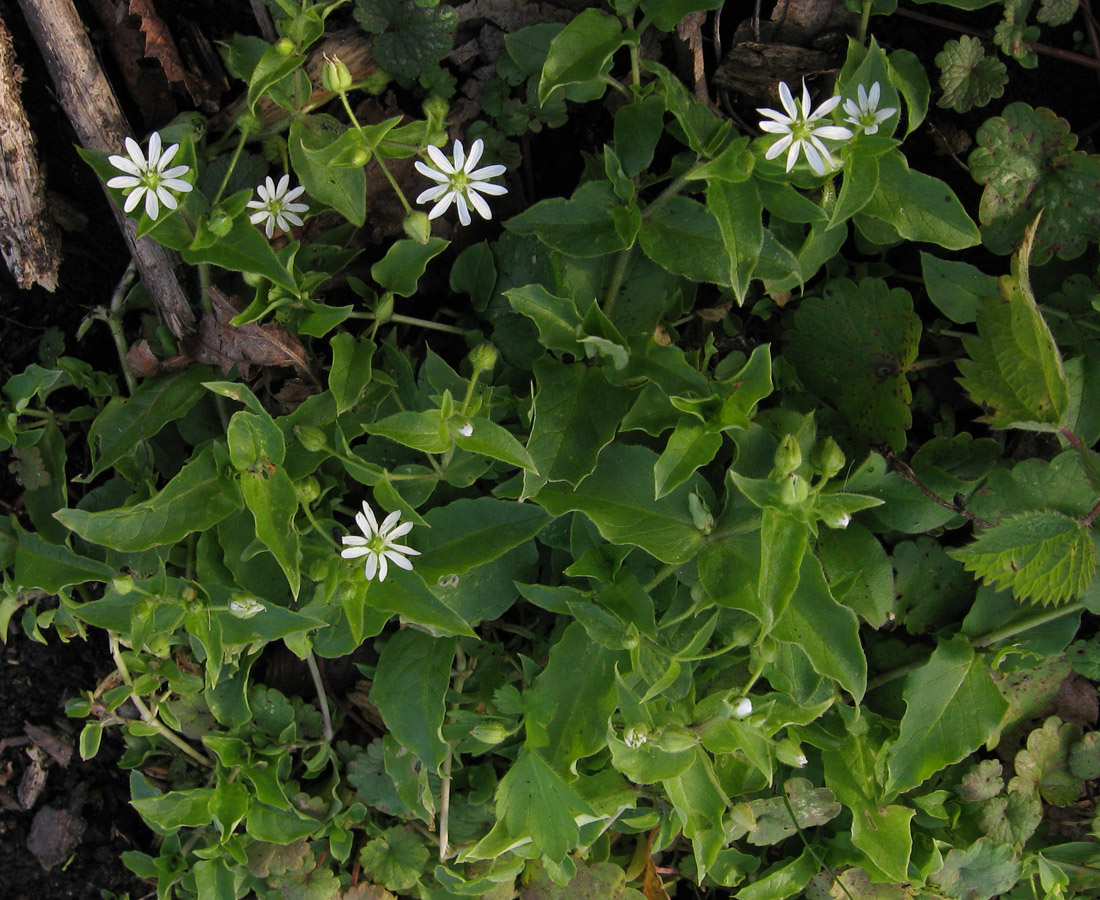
<point x="167" y="156"/>
<point x="813" y="158"/>
<point x="478" y="203"/>
<point x="832" y="133"/>
<point x="401" y="548"/>
<point x="154" y="149"/>
<point x="293" y="194"/>
<point x="257" y="218"/>
<point x="398" y="560"/>
<point x="476" y="149"/>
<point x="488" y="172"/>
<point x="382" y="568"/>
<point x="284" y="183"/>
<point x="133" y="198"/>
<point x="463" y="209"/>
<point x="775" y="127"/>
<point x="152" y="205"/>
<point x="434" y="174"/>
<point x="354" y="552"/>
<point x="440" y="160"/>
<point x="400" y="531"/>
<point x="443" y="205"/>
<point x="175" y="184"/>
<point x="460" y="157"/>
<point x="387" y="523"/>
<point x="779" y="146"/>
<point x="787" y="100"/>
<point x="126" y="165"/>
<point x="792" y="154"/>
<point x="124" y="181"/>
<point x="487" y="187"/>
<point x="432" y="193"/>
<point x="134" y="149"/>
<point x="371" y="567"/>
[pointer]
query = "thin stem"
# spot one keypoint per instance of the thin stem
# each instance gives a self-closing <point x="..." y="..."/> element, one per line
<point x="232" y="165"/>
<point x="661" y="575"/>
<point x="411" y="320"/>
<point x="147" y="715"/>
<point x="1090" y="518"/>
<point x="1007" y="631"/>
<point x="617" y="277"/>
<point x="864" y="21"/>
<point x="113" y="318"/>
<point x="322" y="697"/>
<point x="462" y="671"/>
<point x="378" y="159"/>
<point x="909" y="475"/>
<point x="1074" y="441"/>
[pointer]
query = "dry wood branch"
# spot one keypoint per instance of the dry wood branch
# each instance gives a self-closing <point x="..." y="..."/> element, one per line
<point x="92" y="107"/>
<point x="29" y="240"/>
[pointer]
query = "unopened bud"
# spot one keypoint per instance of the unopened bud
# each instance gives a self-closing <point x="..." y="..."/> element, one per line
<point x="220" y="222"/>
<point x="742" y="708"/>
<point x="790" y="753"/>
<point x="335" y="76"/>
<point x="635" y="737"/>
<point x="700" y="514"/>
<point x="675" y="739"/>
<point x="307" y="490"/>
<point x="835" y="517"/>
<point x="483" y="358"/>
<point x="489" y="732"/>
<point x="435" y="110"/>
<point x="788" y="456"/>
<point x="122" y="584"/>
<point x="793" y="491"/>
<point x="828" y="458"/>
<point x="244" y="606"/>
<point x="311" y="437"/>
<point x="284" y="46"/>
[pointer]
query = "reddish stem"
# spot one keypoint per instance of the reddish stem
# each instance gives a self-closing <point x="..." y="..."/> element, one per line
<point x="1074" y="441"/>
<point x="1093" y="513"/>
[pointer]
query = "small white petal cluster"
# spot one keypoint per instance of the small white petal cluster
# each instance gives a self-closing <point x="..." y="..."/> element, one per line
<point x="802" y="130"/>
<point x="742" y="708"/>
<point x="377" y="543"/>
<point x="149" y="177"/>
<point x="635" y="737"/>
<point x="459" y="182"/>
<point x="275" y="206"/>
<point x="866" y="115"/>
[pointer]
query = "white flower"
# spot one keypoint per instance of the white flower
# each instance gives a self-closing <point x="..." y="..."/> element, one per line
<point x="275" y="206"/>
<point x="378" y="543"/>
<point x="801" y="129"/>
<point x="467" y="429"/>
<point x="635" y="737"/>
<point x="149" y="177"/>
<point x="742" y="708"/>
<point x="245" y="607"/>
<point x="866" y="114"/>
<point x="460" y="182"/>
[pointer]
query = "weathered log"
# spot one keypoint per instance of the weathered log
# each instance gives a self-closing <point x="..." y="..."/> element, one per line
<point x="92" y="107"/>
<point x="29" y="241"/>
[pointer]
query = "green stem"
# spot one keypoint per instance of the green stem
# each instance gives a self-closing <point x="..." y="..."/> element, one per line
<point x="322" y="697"/>
<point x="378" y="159"/>
<point x="411" y="320"/>
<point x="147" y="715"/>
<point x="864" y="21"/>
<point x="113" y="318"/>
<point x="617" y="277"/>
<point x="232" y="165"/>
<point x="661" y="575"/>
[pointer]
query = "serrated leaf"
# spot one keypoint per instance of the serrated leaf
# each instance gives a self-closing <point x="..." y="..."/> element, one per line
<point x="396" y="859"/>
<point x="409" y="37"/>
<point x="969" y="78"/>
<point x="534" y="802"/>
<point x="1046" y="557"/>
<point x="1084" y="757"/>
<point x="1056" y="12"/>
<point x="853" y="346"/>
<point x="1042" y="768"/>
<point x="983" y="871"/>
<point x="1010" y="819"/>
<point x="1015" y="367"/>
<point x="1026" y="161"/>
<point x="983" y="782"/>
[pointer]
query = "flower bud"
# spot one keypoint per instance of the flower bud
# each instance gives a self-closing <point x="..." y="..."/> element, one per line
<point x="466" y="430"/>
<point x="828" y="458"/>
<point x="219" y="222"/>
<point x="675" y="739"/>
<point x="122" y="584"/>
<point x="790" y="753"/>
<point x="435" y="110"/>
<point x="788" y="456"/>
<point x="631" y="639"/>
<point x="383" y="309"/>
<point x="284" y="47"/>
<point x="742" y="708"/>
<point x="636" y="737"/>
<point x="307" y="490"/>
<point x="483" y="358"/>
<point x="245" y="606"/>
<point x="418" y="226"/>
<point x="793" y="491"/>
<point x="248" y="121"/>
<point x="835" y="517"/>
<point x="489" y="732"/>
<point x="700" y="515"/>
<point x="311" y="437"/>
<point x="335" y="76"/>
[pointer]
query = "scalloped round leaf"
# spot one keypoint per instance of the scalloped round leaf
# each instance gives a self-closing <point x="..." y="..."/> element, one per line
<point x="409" y="38"/>
<point x="1025" y="159"/>
<point x="1045" y="557"/>
<point x="969" y="78"/>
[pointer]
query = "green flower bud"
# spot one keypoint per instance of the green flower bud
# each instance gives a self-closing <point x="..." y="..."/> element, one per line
<point x="835" y="517"/>
<point x="700" y="513"/>
<point x="631" y="639"/>
<point x="483" y="358"/>
<point x="765" y="651"/>
<point x="636" y="736"/>
<point x="122" y="584"/>
<point x="220" y="222"/>
<point x="793" y="491"/>
<point x="788" y="456"/>
<point x="335" y="76"/>
<point x="249" y="122"/>
<point x="383" y="309"/>
<point x="674" y="739"/>
<point x="742" y="709"/>
<point x="284" y="47"/>
<point x="790" y="753"/>
<point x="828" y="458"/>
<point x="245" y="606"/>
<point x="435" y="110"/>
<point x="489" y="732"/>
<point x="418" y="226"/>
<point x="307" y="490"/>
<point x="311" y="437"/>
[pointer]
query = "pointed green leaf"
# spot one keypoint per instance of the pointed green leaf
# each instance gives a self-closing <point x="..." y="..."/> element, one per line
<point x="579" y="51"/>
<point x="534" y="801"/>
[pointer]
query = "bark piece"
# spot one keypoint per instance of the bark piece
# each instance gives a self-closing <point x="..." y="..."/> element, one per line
<point x="29" y="240"/>
<point x="92" y="107"/>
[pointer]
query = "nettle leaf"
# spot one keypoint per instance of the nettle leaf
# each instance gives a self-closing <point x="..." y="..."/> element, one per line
<point x="983" y="782"/>
<point x="1015" y="367"/>
<point x="1046" y="557"/>
<point x="969" y="78"/>
<point x="395" y="860"/>
<point x="1042" y="768"/>
<point x="952" y="708"/>
<point x="534" y="802"/>
<point x="984" y="871"/>
<point x="1056" y="12"/>
<point x="409" y="38"/>
<point x="1026" y="161"/>
<point x="853" y="346"/>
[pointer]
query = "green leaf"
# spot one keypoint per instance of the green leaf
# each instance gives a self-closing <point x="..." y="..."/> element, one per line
<point x="638" y="127"/>
<point x="580" y="51"/>
<point x="784" y="879"/>
<point x="175" y="809"/>
<point x="811" y="806"/>
<point x="1056" y="12"/>
<point x="827" y="632"/>
<point x="273" y="502"/>
<point x="920" y="207"/>
<point x="490" y="439"/>
<point x="351" y="370"/>
<point x="580" y="678"/>
<point x="1026" y="161"/>
<point x="468" y="533"/>
<point x="908" y="76"/>
<point x="198" y="497"/>
<point x="341" y="187"/>
<point x="271" y="68"/>
<point x="958" y="289"/>
<point x="409" y="37"/>
<point x="690" y="447"/>
<point x="737" y="208"/>
<point x="952" y="708"/>
<point x="666" y="14"/>
<point x="1043" y="769"/>
<point x="983" y="871"/>
<point x="396" y="860"/>
<point x="583" y="226"/>
<point x="853" y="346"/>
<point x="409" y="597"/>
<point x="128" y="422"/>
<point x="983" y="782"/>
<point x="969" y="78"/>
<point x="618" y="498"/>
<point x="576" y="414"/>
<point x="858" y="572"/>
<point x="533" y="801"/>
<point x="557" y="318"/>
<point x="1045" y="557"/>
<point x="1015" y="367"/>
<point x="409" y="691"/>
<point x="683" y="237"/>
<point x="400" y="269"/>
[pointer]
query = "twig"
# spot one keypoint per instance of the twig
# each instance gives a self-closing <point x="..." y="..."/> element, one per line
<point x="909" y="475"/>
